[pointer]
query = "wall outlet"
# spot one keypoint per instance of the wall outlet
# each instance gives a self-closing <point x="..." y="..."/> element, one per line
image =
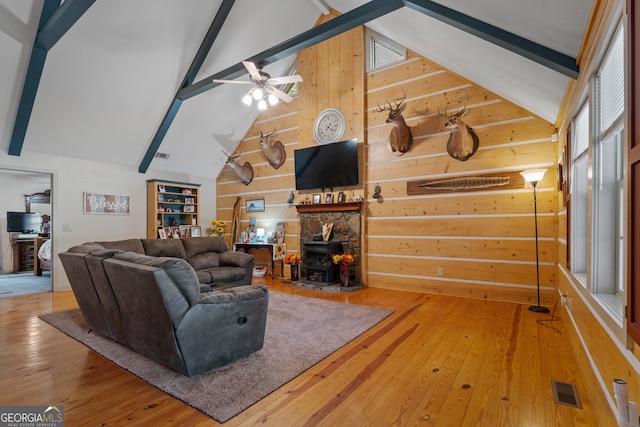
<point x="564" y="300"/>
<point x="440" y="271"/>
<point x="66" y="227"/>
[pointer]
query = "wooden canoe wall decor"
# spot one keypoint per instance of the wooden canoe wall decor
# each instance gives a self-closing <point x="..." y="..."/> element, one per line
<point x="466" y="183"/>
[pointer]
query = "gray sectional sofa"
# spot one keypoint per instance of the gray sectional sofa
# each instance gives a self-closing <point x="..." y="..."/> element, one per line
<point x="185" y="303"/>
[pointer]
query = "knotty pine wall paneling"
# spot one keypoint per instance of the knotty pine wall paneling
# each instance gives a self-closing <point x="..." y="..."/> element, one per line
<point x="475" y="244"/>
<point x="482" y="243"/>
<point x="333" y="73"/>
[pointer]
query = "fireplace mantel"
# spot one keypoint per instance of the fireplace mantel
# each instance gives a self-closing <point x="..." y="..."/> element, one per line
<point x="330" y="207"/>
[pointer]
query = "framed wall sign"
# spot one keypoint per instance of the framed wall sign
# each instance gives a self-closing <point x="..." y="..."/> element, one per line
<point x="111" y="204"/>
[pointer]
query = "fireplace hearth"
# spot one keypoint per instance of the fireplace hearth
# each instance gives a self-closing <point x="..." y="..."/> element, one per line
<point x="317" y="262"/>
<point x="346" y="220"/>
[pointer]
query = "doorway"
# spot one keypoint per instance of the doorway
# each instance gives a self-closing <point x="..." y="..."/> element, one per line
<point x="25" y="198"/>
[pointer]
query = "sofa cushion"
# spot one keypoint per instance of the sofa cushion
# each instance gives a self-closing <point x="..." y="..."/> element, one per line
<point x="204" y="277"/>
<point x="200" y="245"/>
<point x="236" y="293"/>
<point x="178" y="270"/>
<point x="235" y="259"/>
<point x="164" y="248"/>
<point x="131" y="245"/>
<point x="205" y="260"/>
<point x="86" y="248"/>
<point x="226" y="274"/>
<point x="204" y="252"/>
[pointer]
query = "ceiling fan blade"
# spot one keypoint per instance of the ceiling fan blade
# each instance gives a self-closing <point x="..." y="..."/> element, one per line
<point x="253" y="70"/>
<point x="237" y="82"/>
<point x="296" y="78"/>
<point x="280" y="94"/>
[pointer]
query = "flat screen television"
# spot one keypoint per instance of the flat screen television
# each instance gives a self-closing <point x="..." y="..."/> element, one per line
<point x="327" y="166"/>
<point x="23" y="222"/>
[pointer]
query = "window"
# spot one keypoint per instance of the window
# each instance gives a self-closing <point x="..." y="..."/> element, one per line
<point x="579" y="193"/>
<point x="382" y="52"/>
<point x="608" y="180"/>
<point x="597" y="191"/>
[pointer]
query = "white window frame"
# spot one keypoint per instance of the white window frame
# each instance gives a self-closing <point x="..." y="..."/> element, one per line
<point x="598" y="213"/>
<point x="580" y="163"/>
<point x="372" y="36"/>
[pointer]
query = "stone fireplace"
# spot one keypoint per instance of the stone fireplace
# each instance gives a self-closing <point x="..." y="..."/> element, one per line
<point x="346" y="229"/>
<point x="317" y="262"/>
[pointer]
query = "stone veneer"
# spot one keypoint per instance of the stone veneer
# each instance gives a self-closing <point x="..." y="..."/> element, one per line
<point x="346" y="229"/>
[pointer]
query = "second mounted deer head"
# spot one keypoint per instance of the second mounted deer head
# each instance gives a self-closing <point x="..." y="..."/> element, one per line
<point x="463" y="141"/>
<point x="273" y="150"/>
<point x="244" y="172"/>
<point x="400" y="139"/>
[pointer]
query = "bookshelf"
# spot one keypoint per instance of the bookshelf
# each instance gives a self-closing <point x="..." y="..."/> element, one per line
<point x="171" y="204"/>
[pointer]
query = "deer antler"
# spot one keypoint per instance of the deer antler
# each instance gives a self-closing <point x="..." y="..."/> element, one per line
<point x="380" y="109"/>
<point x="399" y="101"/>
<point x="464" y="110"/>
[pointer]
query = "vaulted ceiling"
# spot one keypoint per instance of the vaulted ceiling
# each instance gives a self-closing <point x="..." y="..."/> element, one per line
<point x="116" y="85"/>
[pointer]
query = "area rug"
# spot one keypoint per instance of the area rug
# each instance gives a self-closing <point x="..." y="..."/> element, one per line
<point x="12" y="285"/>
<point x="300" y="332"/>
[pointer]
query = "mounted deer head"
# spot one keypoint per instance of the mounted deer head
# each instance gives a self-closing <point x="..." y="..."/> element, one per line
<point x="400" y="139"/>
<point x="463" y="141"/>
<point x="244" y="172"/>
<point x="273" y="150"/>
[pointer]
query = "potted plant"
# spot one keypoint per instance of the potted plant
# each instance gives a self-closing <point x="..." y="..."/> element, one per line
<point x="217" y="228"/>
<point x="344" y="262"/>
<point x="294" y="261"/>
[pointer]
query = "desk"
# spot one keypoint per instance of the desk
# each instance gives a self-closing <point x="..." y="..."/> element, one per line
<point x="276" y="252"/>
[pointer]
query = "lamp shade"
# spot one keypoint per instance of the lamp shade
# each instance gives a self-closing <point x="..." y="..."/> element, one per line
<point x="533" y="175"/>
<point x="247" y="99"/>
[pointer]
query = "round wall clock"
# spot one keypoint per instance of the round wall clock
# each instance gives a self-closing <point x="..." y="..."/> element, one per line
<point x="329" y="126"/>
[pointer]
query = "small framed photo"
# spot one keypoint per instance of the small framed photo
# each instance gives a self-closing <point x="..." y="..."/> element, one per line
<point x="196" y="231"/>
<point x="161" y="197"/>
<point x="185" y="231"/>
<point x="316" y="198"/>
<point x="328" y="198"/>
<point x="189" y="208"/>
<point x="161" y="189"/>
<point x="162" y="233"/>
<point x="175" y="232"/>
<point x="188" y="200"/>
<point x="341" y="197"/>
<point x="255" y="205"/>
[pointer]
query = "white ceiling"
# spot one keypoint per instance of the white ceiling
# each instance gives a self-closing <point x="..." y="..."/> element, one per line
<point x="107" y="84"/>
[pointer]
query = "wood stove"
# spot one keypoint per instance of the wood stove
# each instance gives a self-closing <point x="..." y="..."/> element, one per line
<point x="317" y="262"/>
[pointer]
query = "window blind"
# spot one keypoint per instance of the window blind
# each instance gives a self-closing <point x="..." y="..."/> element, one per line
<point x="611" y="83"/>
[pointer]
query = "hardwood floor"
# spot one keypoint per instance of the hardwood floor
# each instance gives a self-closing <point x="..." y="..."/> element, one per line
<point x="437" y="361"/>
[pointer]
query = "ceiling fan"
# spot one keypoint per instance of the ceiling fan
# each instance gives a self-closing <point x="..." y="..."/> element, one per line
<point x="264" y="89"/>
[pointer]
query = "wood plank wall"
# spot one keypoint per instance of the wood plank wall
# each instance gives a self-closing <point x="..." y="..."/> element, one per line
<point x="483" y="242"/>
<point x="600" y="344"/>
<point x="333" y="73"/>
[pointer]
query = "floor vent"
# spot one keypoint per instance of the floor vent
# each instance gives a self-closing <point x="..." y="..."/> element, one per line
<point x="566" y="394"/>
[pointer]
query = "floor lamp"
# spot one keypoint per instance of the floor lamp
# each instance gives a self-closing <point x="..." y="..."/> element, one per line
<point x="533" y="177"/>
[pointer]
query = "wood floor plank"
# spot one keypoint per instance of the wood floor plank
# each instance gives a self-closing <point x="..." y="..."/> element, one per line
<point x="435" y="361"/>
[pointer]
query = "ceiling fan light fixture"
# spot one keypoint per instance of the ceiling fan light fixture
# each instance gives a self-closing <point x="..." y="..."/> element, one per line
<point x="273" y="100"/>
<point x="247" y="99"/>
<point x="262" y="104"/>
<point x="257" y="94"/>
